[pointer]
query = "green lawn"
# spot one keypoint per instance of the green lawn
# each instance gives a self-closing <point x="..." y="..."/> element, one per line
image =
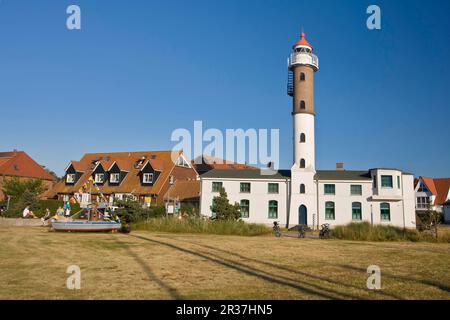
<point x="144" y="265"/>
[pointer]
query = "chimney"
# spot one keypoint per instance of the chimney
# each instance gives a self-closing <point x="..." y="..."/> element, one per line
<point x="340" y="166"/>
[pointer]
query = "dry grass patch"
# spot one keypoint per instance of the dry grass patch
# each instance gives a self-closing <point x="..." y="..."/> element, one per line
<point x="146" y="265"/>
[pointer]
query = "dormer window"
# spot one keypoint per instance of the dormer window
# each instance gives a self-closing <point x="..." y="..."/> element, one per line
<point x="114" y="178"/>
<point x="181" y="162"/>
<point x="99" y="177"/>
<point x="147" y="178"/>
<point x="70" y="178"/>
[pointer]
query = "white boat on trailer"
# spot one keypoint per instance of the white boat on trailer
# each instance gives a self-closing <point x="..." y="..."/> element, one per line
<point x="87" y="220"/>
<point x="86" y="226"/>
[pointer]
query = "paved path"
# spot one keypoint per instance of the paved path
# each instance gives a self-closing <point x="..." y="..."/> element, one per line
<point x="19" y="222"/>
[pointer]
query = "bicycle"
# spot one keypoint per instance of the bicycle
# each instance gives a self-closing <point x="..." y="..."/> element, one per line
<point x="324" y="231"/>
<point x="276" y="229"/>
<point x="301" y="231"/>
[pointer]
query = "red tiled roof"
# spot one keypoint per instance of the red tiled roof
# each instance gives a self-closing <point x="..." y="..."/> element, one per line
<point x="184" y="190"/>
<point x="127" y="161"/>
<point x="430" y="184"/>
<point x="123" y="165"/>
<point x="210" y="163"/>
<point x="303" y="41"/>
<point x="20" y="164"/>
<point x="442" y="187"/>
<point x="438" y="187"/>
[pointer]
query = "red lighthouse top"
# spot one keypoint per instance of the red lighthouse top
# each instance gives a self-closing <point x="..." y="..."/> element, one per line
<point x="303" y="42"/>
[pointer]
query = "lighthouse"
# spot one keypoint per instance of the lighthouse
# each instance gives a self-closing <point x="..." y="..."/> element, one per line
<point x="302" y="65"/>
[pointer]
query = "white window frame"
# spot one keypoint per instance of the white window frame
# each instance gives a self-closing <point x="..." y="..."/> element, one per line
<point x="181" y="162"/>
<point x="72" y="178"/>
<point x="145" y="178"/>
<point x="116" y="178"/>
<point x="171" y="179"/>
<point x="96" y="178"/>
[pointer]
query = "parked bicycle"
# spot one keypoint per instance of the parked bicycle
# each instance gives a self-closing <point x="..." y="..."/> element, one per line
<point x="276" y="229"/>
<point x="301" y="231"/>
<point x="324" y="231"/>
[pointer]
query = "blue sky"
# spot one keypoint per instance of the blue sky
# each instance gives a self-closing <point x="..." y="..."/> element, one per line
<point x="140" y="69"/>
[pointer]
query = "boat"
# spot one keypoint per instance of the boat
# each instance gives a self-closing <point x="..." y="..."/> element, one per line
<point x="81" y="222"/>
<point x="86" y="226"/>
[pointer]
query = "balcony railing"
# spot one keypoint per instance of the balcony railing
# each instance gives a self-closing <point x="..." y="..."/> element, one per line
<point x="303" y="58"/>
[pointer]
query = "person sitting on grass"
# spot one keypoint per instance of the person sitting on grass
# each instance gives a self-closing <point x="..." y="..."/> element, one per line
<point x="46" y="216"/>
<point x="60" y="212"/>
<point x="28" y="214"/>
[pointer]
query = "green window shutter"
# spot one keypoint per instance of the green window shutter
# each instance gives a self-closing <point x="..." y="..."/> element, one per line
<point x="245" y="208"/>
<point x="273" y="209"/>
<point x="356" y="189"/>
<point x="356" y="211"/>
<point x="329" y="189"/>
<point x="273" y="188"/>
<point x="329" y="210"/>
<point x="216" y="186"/>
<point x="385" y="212"/>
<point x="386" y="181"/>
<point x="245" y="187"/>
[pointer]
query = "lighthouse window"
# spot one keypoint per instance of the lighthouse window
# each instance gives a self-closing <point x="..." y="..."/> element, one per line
<point x="302" y="76"/>
<point x="302" y="137"/>
<point x="302" y="105"/>
<point x="302" y="188"/>
<point x="302" y="163"/>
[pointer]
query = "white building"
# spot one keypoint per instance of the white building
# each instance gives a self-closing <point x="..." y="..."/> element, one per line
<point x="304" y="195"/>
<point x="434" y="194"/>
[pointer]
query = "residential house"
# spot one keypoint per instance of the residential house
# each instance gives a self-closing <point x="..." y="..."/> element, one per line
<point x="19" y="164"/>
<point x="144" y="176"/>
<point x="432" y="193"/>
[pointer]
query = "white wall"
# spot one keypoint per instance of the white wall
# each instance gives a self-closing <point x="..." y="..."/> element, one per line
<point x="304" y="123"/>
<point x="343" y="201"/>
<point x="259" y="198"/>
<point x="309" y="199"/>
<point x="401" y="201"/>
<point x="447" y="213"/>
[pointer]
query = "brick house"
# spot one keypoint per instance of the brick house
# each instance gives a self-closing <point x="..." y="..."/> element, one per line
<point x="144" y="176"/>
<point x="19" y="164"/>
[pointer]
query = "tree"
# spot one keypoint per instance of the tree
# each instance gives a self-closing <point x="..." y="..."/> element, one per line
<point x="15" y="187"/>
<point x="430" y="221"/>
<point x="223" y="209"/>
<point x="23" y="193"/>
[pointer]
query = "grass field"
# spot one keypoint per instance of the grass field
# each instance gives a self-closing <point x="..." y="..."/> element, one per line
<point x="144" y="265"/>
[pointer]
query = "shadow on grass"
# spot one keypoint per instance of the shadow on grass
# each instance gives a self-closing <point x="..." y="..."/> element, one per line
<point x="313" y="289"/>
<point x="172" y="292"/>
<point x="295" y="271"/>
<point x="432" y="283"/>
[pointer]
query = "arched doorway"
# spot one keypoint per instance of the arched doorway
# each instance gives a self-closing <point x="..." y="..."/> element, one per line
<point x="302" y="215"/>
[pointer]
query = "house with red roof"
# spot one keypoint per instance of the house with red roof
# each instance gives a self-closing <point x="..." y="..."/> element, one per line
<point x="143" y="176"/>
<point x="432" y="193"/>
<point x="19" y="164"/>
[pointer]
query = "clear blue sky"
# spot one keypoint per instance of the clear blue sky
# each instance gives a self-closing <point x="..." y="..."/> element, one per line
<point x="140" y="69"/>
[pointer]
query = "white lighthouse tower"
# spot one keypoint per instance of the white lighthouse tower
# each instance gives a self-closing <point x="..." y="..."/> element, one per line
<point x="302" y="65"/>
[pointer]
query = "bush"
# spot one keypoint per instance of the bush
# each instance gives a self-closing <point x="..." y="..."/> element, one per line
<point x="203" y="226"/>
<point x="133" y="211"/>
<point x="16" y="208"/>
<point x="364" y="231"/>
